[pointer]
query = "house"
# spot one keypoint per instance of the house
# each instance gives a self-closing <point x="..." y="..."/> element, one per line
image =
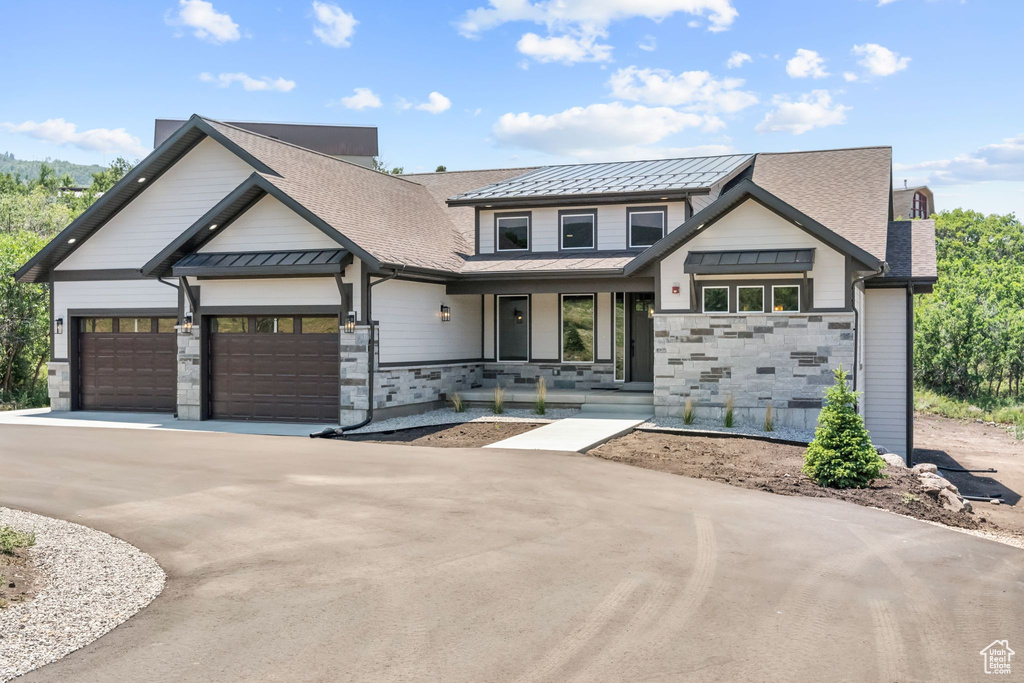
<point x="233" y="275"/>
<point x="913" y="202"/>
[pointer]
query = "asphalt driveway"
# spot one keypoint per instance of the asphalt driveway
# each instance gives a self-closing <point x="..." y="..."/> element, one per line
<point x="293" y="560"/>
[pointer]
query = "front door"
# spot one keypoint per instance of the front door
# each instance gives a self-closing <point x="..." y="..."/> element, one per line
<point x="641" y="337"/>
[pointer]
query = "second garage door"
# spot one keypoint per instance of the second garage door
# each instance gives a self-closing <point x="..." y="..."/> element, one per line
<point x="274" y="368"/>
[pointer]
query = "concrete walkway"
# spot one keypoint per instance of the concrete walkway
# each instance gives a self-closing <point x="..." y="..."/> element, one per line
<point x="579" y="433"/>
<point x="44" y="417"/>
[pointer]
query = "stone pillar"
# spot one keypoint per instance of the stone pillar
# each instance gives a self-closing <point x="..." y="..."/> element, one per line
<point x="355" y="374"/>
<point x="58" y="385"/>
<point x="189" y="374"/>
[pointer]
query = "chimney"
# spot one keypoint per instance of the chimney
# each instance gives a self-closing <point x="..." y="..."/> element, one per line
<point x="904" y="183"/>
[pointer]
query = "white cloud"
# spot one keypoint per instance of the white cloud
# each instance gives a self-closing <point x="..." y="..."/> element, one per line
<point x="435" y="104"/>
<point x="1000" y="161"/>
<point x="812" y="110"/>
<point x="206" y="23"/>
<point x="248" y="82"/>
<point x="363" y="98"/>
<point x="736" y="60"/>
<point x="806" y="63"/>
<point x="849" y="76"/>
<point x="61" y="132"/>
<point x="566" y="49"/>
<point x="694" y="90"/>
<point x="334" y="26"/>
<point x="882" y="3"/>
<point x="596" y="130"/>
<point x="880" y="61"/>
<point x="648" y="44"/>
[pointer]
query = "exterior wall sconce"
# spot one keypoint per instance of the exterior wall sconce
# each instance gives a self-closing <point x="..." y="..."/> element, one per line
<point x="58" y="326"/>
<point x="446" y="313"/>
<point x="650" y="311"/>
<point x="350" y="322"/>
<point x="517" y="315"/>
<point x="186" y="323"/>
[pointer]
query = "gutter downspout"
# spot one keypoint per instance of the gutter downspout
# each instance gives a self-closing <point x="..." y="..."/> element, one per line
<point x="884" y="268"/>
<point x="330" y="433"/>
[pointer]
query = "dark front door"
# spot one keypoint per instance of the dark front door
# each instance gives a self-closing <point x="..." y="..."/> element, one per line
<point x="641" y="337"/>
<point x="127" y="364"/>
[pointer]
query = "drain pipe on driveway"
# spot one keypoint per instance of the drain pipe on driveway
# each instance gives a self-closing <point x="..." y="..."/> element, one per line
<point x="884" y="268"/>
<point x="331" y="433"/>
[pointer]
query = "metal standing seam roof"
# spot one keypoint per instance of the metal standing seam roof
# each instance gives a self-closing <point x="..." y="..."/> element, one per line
<point x="254" y="262"/>
<point x="626" y="177"/>
<point x="752" y="261"/>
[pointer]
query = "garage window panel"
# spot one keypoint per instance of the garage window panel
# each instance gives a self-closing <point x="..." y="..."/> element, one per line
<point x="319" y="326"/>
<point x="165" y="325"/>
<point x="225" y="325"/>
<point x="274" y="325"/>
<point x="134" y="325"/>
<point x="98" y="325"/>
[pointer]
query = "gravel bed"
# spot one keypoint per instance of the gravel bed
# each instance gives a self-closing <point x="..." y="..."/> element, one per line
<point x="446" y="416"/>
<point x="89" y="583"/>
<point x="780" y="432"/>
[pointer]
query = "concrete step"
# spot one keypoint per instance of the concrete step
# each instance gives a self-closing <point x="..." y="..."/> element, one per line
<point x="624" y="409"/>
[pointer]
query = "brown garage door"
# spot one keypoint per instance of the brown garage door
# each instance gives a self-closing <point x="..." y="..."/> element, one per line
<point x="127" y="364"/>
<point x="274" y="368"/>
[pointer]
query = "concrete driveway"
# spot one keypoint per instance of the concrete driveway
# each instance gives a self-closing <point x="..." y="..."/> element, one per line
<point x="294" y="560"/>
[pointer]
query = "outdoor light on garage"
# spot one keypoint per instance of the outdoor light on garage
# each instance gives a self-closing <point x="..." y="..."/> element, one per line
<point x="350" y="322"/>
<point x="446" y="313"/>
<point x="186" y="323"/>
<point x="58" y="326"/>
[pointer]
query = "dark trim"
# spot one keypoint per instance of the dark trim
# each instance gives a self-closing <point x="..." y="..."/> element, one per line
<point x="209" y="311"/>
<point x="54" y="359"/>
<point x="476" y="230"/>
<point x="122" y="312"/>
<point x="569" y="200"/>
<point x="910" y="375"/>
<point x="89" y="275"/>
<point x="424" y="363"/>
<point x="556" y="273"/>
<point x="647" y="209"/>
<point x="297" y="270"/>
<point x="561" y="342"/>
<point x="561" y="234"/>
<point x="529" y="328"/>
<point x="74" y="369"/>
<point x="578" y="285"/>
<point x="744" y="190"/>
<point x="529" y="231"/>
<point x="901" y="283"/>
<point x="747" y="268"/>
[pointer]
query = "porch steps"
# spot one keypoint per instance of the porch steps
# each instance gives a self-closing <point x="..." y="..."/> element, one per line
<point x="563" y="398"/>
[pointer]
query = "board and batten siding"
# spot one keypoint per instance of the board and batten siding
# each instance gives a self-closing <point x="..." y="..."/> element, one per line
<point x="885" y="368"/>
<point x="269" y="226"/>
<point x="106" y="295"/>
<point x="161" y="212"/>
<point x="410" y="325"/>
<point x="611" y="225"/>
<point x="751" y="226"/>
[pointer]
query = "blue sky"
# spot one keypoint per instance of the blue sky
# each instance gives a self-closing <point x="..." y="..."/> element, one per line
<point x="493" y="83"/>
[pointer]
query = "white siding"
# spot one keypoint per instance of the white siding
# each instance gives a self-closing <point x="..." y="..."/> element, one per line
<point x="604" y="326"/>
<point x="885" y="372"/>
<point x="488" y="326"/>
<point x="611" y="225"/>
<point x="272" y="226"/>
<point x="544" y="324"/>
<point x="751" y="226"/>
<point x="104" y="294"/>
<point x="172" y="203"/>
<point x="411" y="329"/>
<point x="699" y="202"/>
<point x="295" y="291"/>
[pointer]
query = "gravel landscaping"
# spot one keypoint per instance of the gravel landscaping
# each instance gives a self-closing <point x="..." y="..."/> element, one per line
<point x="87" y="583"/>
<point x="448" y="416"/>
<point x="677" y="424"/>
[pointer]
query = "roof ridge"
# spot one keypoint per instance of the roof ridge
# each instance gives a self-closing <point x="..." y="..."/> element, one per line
<point x="644" y="161"/>
<point x="815" y="151"/>
<point x="476" y="170"/>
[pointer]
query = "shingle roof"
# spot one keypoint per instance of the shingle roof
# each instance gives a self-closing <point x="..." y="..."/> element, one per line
<point x="663" y="175"/>
<point x="553" y="262"/>
<point x="846" y="190"/>
<point x="911" y="250"/>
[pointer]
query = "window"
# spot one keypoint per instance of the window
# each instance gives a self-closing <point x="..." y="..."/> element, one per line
<point x="920" y="207"/>
<point x="513" y="328"/>
<point x="165" y="325"/>
<point x="750" y="299"/>
<point x="513" y="232"/>
<point x="578" y="229"/>
<point x="646" y="226"/>
<point x="786" y="298"/>
<point x="229" y="325"/>
<point x="98" y="325"/>
<point x="274" y="325"/>
<point x="578" y="328"/>
<point x="134" y="324"/>
<point x="620" y="336"/>
<point x="320" y="326"/>
<point x="715" y="299"/>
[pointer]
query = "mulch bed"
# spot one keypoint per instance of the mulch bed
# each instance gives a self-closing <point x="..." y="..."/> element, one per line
<point x="18" y="575"/>
<point x="466" y="435"/>
<point x="774" y="468"/>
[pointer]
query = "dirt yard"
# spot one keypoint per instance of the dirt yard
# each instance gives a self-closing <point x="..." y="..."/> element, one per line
<point x="776" y="468"/>
<point x="467" y="435"/>
<point x="17" y="577"/>
<point x="976" y="446"/>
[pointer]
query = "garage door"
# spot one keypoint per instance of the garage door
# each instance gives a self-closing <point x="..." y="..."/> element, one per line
<point x="127" y="364"/>
<point x="274" y="368"/>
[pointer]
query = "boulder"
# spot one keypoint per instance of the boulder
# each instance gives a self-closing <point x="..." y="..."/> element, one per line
<point x="925" y="467"/>
<point x="950" y="501"/>
<point x="893" y="460"/>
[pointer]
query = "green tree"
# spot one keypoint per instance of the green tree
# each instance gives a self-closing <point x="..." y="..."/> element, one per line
<point x="24" y="321"/>
<point x="841" y="454"/>
<point x="441" y="169"/>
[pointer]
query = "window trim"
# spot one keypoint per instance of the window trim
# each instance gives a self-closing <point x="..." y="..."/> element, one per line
<point x="919" y="205"/>
<point x="567" y="213"/>
<point x="739" y="287"/>
<point x="771" y="304"/>
<point x="630" y="210"/>
<point x="497" y="328"/>
<point x="561" y="329"/>
<point x="528" y="215"/>
<point x="625" y="336"/>
<point x="728" y="299"/>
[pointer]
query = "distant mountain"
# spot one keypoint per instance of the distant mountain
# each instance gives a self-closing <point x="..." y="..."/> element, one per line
<point x="29" y="170"/>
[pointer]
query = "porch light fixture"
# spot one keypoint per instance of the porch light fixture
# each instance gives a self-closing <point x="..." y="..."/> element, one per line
<point x="58" y="326"/>
<point x="72" y="240"/>
<point x="517" y="315"/>
<point x="350" y="322"/>
<point x="213" y="226"/>
<point x="186" y="323"/>
<point x="142" y="180"/>
<point x="650" y="311"/>
<point x="778" y="308"/>
<point x="446" y="313"/>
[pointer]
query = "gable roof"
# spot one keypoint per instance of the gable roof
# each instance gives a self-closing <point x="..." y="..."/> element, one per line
<point x="911" y="251"/>
<point x="579" y="181"/>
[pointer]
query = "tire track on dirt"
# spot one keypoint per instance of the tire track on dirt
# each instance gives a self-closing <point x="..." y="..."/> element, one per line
<point x="889" y="645"/>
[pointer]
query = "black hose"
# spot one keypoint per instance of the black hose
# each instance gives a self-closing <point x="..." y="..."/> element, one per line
<point x="961" y="469"/>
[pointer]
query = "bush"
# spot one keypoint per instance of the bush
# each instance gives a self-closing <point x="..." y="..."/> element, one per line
<point x="11" y="539"/>
<point x="729" y="412"/>
<point x="458" y="405"/>
<point x="841" y="455"/>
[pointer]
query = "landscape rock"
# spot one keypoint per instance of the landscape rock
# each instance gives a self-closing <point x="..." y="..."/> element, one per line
<point x="893" y="460"/>
<point x="925" y="467"/>
<point x="950" y="501"/>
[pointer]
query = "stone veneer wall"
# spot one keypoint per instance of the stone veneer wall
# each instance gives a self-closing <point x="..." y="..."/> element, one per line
<point x="785" y="359"/>
<point x="422" y="384"/>
<point x="58" y="385"/>
<point x="190" y="378"/>
<point x="355" y="373"/>
<point x="557" y="375"/>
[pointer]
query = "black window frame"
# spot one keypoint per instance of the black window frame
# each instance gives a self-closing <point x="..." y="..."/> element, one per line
<point x="564" y="213"/>
<point x="630" y="210"/>
<point x="528" y="321"/>
<point x="561" y="327"/>
<point x="528" y="215"/>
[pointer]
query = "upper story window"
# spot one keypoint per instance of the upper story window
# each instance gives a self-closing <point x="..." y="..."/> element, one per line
<point x="512" y="231"/>
<point x="646" y="225"/>
<point x="578" y="229"/>
<point x="920" y="207"/>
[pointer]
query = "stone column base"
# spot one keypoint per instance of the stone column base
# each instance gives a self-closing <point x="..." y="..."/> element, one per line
<point x="58" y="385"/>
